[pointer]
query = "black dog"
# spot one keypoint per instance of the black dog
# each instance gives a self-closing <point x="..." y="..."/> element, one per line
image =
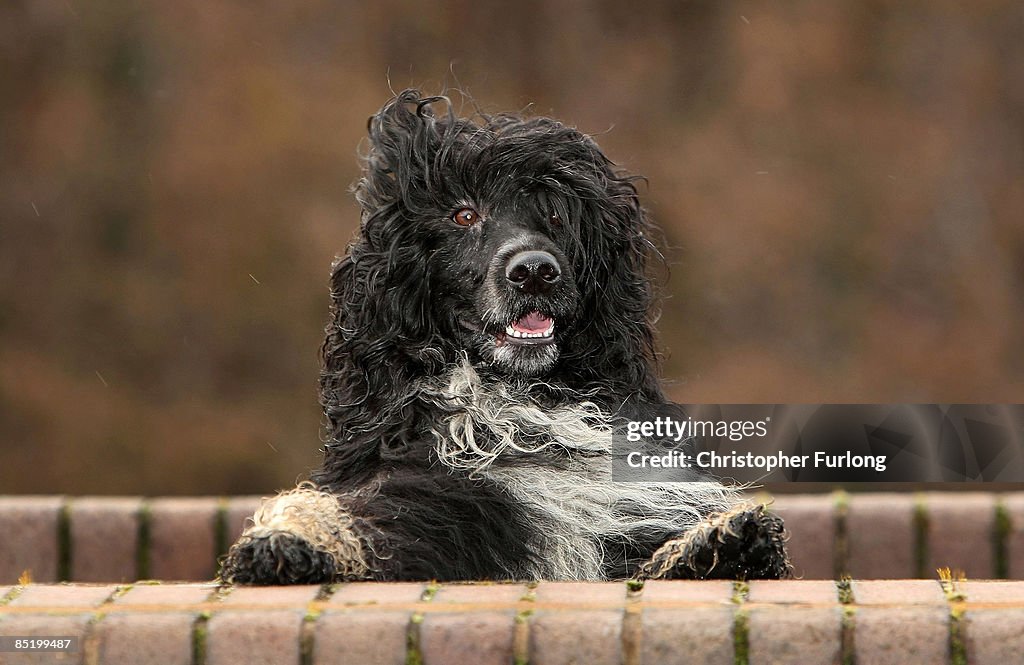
<point x="489" y="328"/>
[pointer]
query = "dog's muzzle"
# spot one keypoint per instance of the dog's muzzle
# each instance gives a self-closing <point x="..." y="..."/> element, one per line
<point x="534" y="281"/>
<point x="525" y="307"/>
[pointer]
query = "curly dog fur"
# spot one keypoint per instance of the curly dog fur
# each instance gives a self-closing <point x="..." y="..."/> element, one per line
<point x="489" y="328"/>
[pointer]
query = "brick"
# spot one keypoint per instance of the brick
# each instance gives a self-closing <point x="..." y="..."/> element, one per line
<point x="576" y="637"/>
<point x="899" y="635"/>
<point x="165" y="594"/>
<point x="960" y="527"/>
<point x="129" y="639"/>
<point x="46" y="625"/>
<point x="900" y="621"/>
<point x="348" y="637"/>
<point x="995" y="637"/>
<point x="798" y="635"/>
<point x="482" y="638"/>
<point x="691" y="636"/>
<point x="1014" y="503"/>
<point x="605" y="594"/>
<point x="61" y="595"/>
<point x="254" y="637"/>
<point x="811" y="523"/>
<point x="242" y="632"/>
<point x="488" y="594"/>
<point x="584" y="636"/>
<point x="378" y="593"/>
<point x="811" y="592"/>
<point x="182" y="543"/>
<point x="881" y="536"/>
<point x="993" y="592"/>
<point x="237" y="514"/>
<point x="898" y="592"/>
<point x="686" y="591"/>
<point x="34" y="519"/>
<point x="299" y="596"/>
<point x="104" y="538"/>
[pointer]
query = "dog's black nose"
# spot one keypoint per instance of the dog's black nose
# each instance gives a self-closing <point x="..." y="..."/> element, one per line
<point x="533" y="271"/>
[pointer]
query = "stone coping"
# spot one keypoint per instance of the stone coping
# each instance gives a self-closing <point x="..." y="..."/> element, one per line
<point x="659" y="623"/>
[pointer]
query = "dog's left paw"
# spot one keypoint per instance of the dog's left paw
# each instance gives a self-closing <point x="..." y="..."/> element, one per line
<point x="277" y="557"/>
<point x="744" y="543"/>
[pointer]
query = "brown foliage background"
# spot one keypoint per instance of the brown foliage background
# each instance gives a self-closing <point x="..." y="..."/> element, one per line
<point x="841" y="185"/>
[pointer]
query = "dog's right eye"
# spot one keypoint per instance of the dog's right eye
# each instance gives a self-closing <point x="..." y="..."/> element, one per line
<point x="466" y="217"/>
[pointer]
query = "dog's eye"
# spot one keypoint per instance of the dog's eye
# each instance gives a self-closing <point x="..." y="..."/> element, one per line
<point x="466" y="217"/>
<point x="555" y="220"/>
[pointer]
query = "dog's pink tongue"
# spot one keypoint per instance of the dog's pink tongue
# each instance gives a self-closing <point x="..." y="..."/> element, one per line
<point x="532" y="322"/>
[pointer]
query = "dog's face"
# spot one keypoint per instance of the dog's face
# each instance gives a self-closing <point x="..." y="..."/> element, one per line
<point x="501" y="268"/>
<point x="509" y="239"/>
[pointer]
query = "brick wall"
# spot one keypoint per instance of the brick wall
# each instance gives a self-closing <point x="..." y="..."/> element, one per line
<point x="118" y="539"/>
<point x="662" y="623"/>
<point x="869" y="536"/>
<point x="905" y="535"/>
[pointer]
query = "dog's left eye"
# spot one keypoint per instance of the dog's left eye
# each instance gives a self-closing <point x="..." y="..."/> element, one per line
<point x="555" y="220"/>
<point x="466" y="217"/>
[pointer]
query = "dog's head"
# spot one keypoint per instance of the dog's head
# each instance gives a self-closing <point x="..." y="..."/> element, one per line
<point x="512" y="240"/>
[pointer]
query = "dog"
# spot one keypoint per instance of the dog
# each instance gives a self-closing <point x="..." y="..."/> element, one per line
<point x="490" y="327"/>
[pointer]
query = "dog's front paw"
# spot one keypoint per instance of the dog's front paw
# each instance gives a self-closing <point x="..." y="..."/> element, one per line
<point x="744" y="543"/>
<point x="276" y="557"/>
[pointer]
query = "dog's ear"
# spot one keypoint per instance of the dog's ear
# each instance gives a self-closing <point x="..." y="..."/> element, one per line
<point x="404" y="137"/>
<point x="617" y="341"/>
<point x="380" y="337"/>
<point x="382" y="333"/>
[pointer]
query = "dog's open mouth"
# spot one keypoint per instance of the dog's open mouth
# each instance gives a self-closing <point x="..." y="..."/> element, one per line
<point x="532" y="329"/>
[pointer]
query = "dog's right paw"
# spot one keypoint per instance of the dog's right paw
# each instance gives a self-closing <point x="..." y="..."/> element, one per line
<point x="276" y="557"/>
<point x="744" y="543"/>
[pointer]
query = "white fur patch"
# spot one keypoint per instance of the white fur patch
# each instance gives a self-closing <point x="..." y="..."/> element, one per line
<point x="580" y="507"/>
<point x="317" y="518"/>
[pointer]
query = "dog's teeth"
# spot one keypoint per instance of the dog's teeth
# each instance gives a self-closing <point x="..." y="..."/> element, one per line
<point x="511" y="331"/>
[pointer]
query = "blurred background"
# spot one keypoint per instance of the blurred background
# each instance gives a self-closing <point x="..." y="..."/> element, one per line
<point x="840" y="185"/>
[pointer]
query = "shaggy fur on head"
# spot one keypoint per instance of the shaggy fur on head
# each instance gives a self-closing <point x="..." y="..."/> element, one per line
<point x="489" y="329"/>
